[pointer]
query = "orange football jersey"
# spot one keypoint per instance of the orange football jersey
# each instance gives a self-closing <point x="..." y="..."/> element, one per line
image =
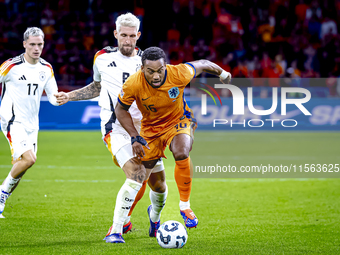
<point x="161" y="107"/>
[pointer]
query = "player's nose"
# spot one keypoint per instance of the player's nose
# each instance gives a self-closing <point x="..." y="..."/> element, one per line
<point x="156" y="76"/>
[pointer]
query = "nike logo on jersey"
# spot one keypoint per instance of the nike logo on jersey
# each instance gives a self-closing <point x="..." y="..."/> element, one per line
<point x="22" y="78"/>
<point x="143" y="99"/>
<point x="112" y="64"/>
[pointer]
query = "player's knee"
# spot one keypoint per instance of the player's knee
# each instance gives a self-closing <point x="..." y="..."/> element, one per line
<point x="33" y="159"/>
<point x="135" y="170"/>
<point x="30" y="160"/>
<point x="181" y="155"/>
<point x="139" y="175"/>
<point x="159" y="186"/>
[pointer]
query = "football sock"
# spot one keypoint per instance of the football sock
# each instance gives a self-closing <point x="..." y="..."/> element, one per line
<point x="158" y="203"/>
<point x="125" y="198"/>
<point x="138" y="197"/>
<point x="184" y="205"/>
<point x="127" y="219"/>
<point x="183" y="178"/>
<point x="9" y="183"/>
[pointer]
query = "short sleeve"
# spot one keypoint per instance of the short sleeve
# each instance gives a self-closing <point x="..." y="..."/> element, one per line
<point x="191" y="69"/>
<point x="127" y="95"/>
<point x="4" y="69"/>
<point x="96" y="74"/>
<point x="183" y="72"/>
<point x="2" y="77"/>
<point x="51" y="88"/>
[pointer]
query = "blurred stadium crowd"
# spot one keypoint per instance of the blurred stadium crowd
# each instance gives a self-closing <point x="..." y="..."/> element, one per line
<point x="288" y="39"/>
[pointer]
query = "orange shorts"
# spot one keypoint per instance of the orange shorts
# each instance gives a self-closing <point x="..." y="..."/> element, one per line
<point x="158" y="144"/>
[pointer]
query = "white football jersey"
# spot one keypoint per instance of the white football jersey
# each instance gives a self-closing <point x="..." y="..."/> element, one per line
<point x="111" y="68"/>
<point x="22" y="87"/>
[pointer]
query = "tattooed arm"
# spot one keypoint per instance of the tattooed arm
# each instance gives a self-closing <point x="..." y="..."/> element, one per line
<point x="90" y="91"/>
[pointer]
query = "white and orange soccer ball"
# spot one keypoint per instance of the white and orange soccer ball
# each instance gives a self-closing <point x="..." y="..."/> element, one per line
<point x="172" y="234"/>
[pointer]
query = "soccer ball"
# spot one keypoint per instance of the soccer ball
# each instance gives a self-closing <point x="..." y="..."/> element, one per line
<point x="172" y="234"/>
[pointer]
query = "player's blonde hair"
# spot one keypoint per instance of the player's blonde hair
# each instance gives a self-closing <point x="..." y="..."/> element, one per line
<point x="33" y="31"/>
<point x="128" y="20"/>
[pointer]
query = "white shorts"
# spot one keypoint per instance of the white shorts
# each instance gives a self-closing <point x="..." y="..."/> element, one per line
<point x="125" y="154"/>
<point x="118" y="141"/>
<point x="20" y="139"/>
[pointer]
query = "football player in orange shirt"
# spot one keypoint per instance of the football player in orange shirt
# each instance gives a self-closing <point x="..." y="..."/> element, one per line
<point x="167" y="120"/>
<point x="111" y="67"/>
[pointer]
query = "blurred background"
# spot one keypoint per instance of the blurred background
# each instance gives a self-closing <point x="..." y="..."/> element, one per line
<point x="288" y="39"/>
<point x="65" y="202"/>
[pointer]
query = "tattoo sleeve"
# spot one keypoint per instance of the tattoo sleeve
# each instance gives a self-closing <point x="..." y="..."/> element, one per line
<point x="90" y="91"/>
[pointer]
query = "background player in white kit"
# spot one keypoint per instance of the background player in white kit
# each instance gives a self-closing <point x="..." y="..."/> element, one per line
<point x="24" y="78"/>
<point x="112" y="66"/>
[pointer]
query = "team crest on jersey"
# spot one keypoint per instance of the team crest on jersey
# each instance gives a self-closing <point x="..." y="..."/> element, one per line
<point x="138" y="67"/>
<point x="173" y="92"/>
<point x="121" y="93"/>
<point x="42" y="76"/>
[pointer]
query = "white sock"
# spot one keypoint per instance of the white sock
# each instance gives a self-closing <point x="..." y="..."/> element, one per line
<point x="127" y="219"/>
<point x="125" y="198"/>
<point x="158" y="203"/>
<point x="9" y="183"/>
<point x="184" y="205"/>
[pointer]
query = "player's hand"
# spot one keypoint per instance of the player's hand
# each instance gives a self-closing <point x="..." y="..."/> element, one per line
<point x="226" y="80"/>
<point x="62" y="98"/>
<point x="137" y="146"/>
<point x="138" y="150"/>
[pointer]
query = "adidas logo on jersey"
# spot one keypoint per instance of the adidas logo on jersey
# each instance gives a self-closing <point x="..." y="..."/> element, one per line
<point x="113" y="64"/>
<point x="22" y="78"/>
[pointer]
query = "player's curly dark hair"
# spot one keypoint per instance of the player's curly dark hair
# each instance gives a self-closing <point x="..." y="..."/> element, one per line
<point x="153" y="53"/>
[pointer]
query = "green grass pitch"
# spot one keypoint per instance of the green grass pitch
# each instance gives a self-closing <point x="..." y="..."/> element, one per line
<point x="65" y="202"/>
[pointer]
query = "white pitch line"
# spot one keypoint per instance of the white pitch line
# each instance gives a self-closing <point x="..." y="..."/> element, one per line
<point x="268" y="179"/>
<point x="64" y="167"/>
<point x="58" y="180"/>
<point x="195" y="180"/>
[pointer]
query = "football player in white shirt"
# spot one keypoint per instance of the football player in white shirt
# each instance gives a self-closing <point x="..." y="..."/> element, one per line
<point x="24" y="78"/>
<point x="112" y="66"/>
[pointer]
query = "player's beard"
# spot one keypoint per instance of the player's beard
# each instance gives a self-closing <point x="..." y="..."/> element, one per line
<point x="127" y="51"/>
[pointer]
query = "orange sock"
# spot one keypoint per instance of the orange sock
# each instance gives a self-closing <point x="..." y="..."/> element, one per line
<point x="138" y="196"/>
<point x="183" y="178"/>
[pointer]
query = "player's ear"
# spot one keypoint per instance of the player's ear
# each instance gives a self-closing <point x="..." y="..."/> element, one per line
<point x="138" y="35"/>
<point x="115" y="33"/>
<point x="142" y="68"/>
<point x="24" y="44"/>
